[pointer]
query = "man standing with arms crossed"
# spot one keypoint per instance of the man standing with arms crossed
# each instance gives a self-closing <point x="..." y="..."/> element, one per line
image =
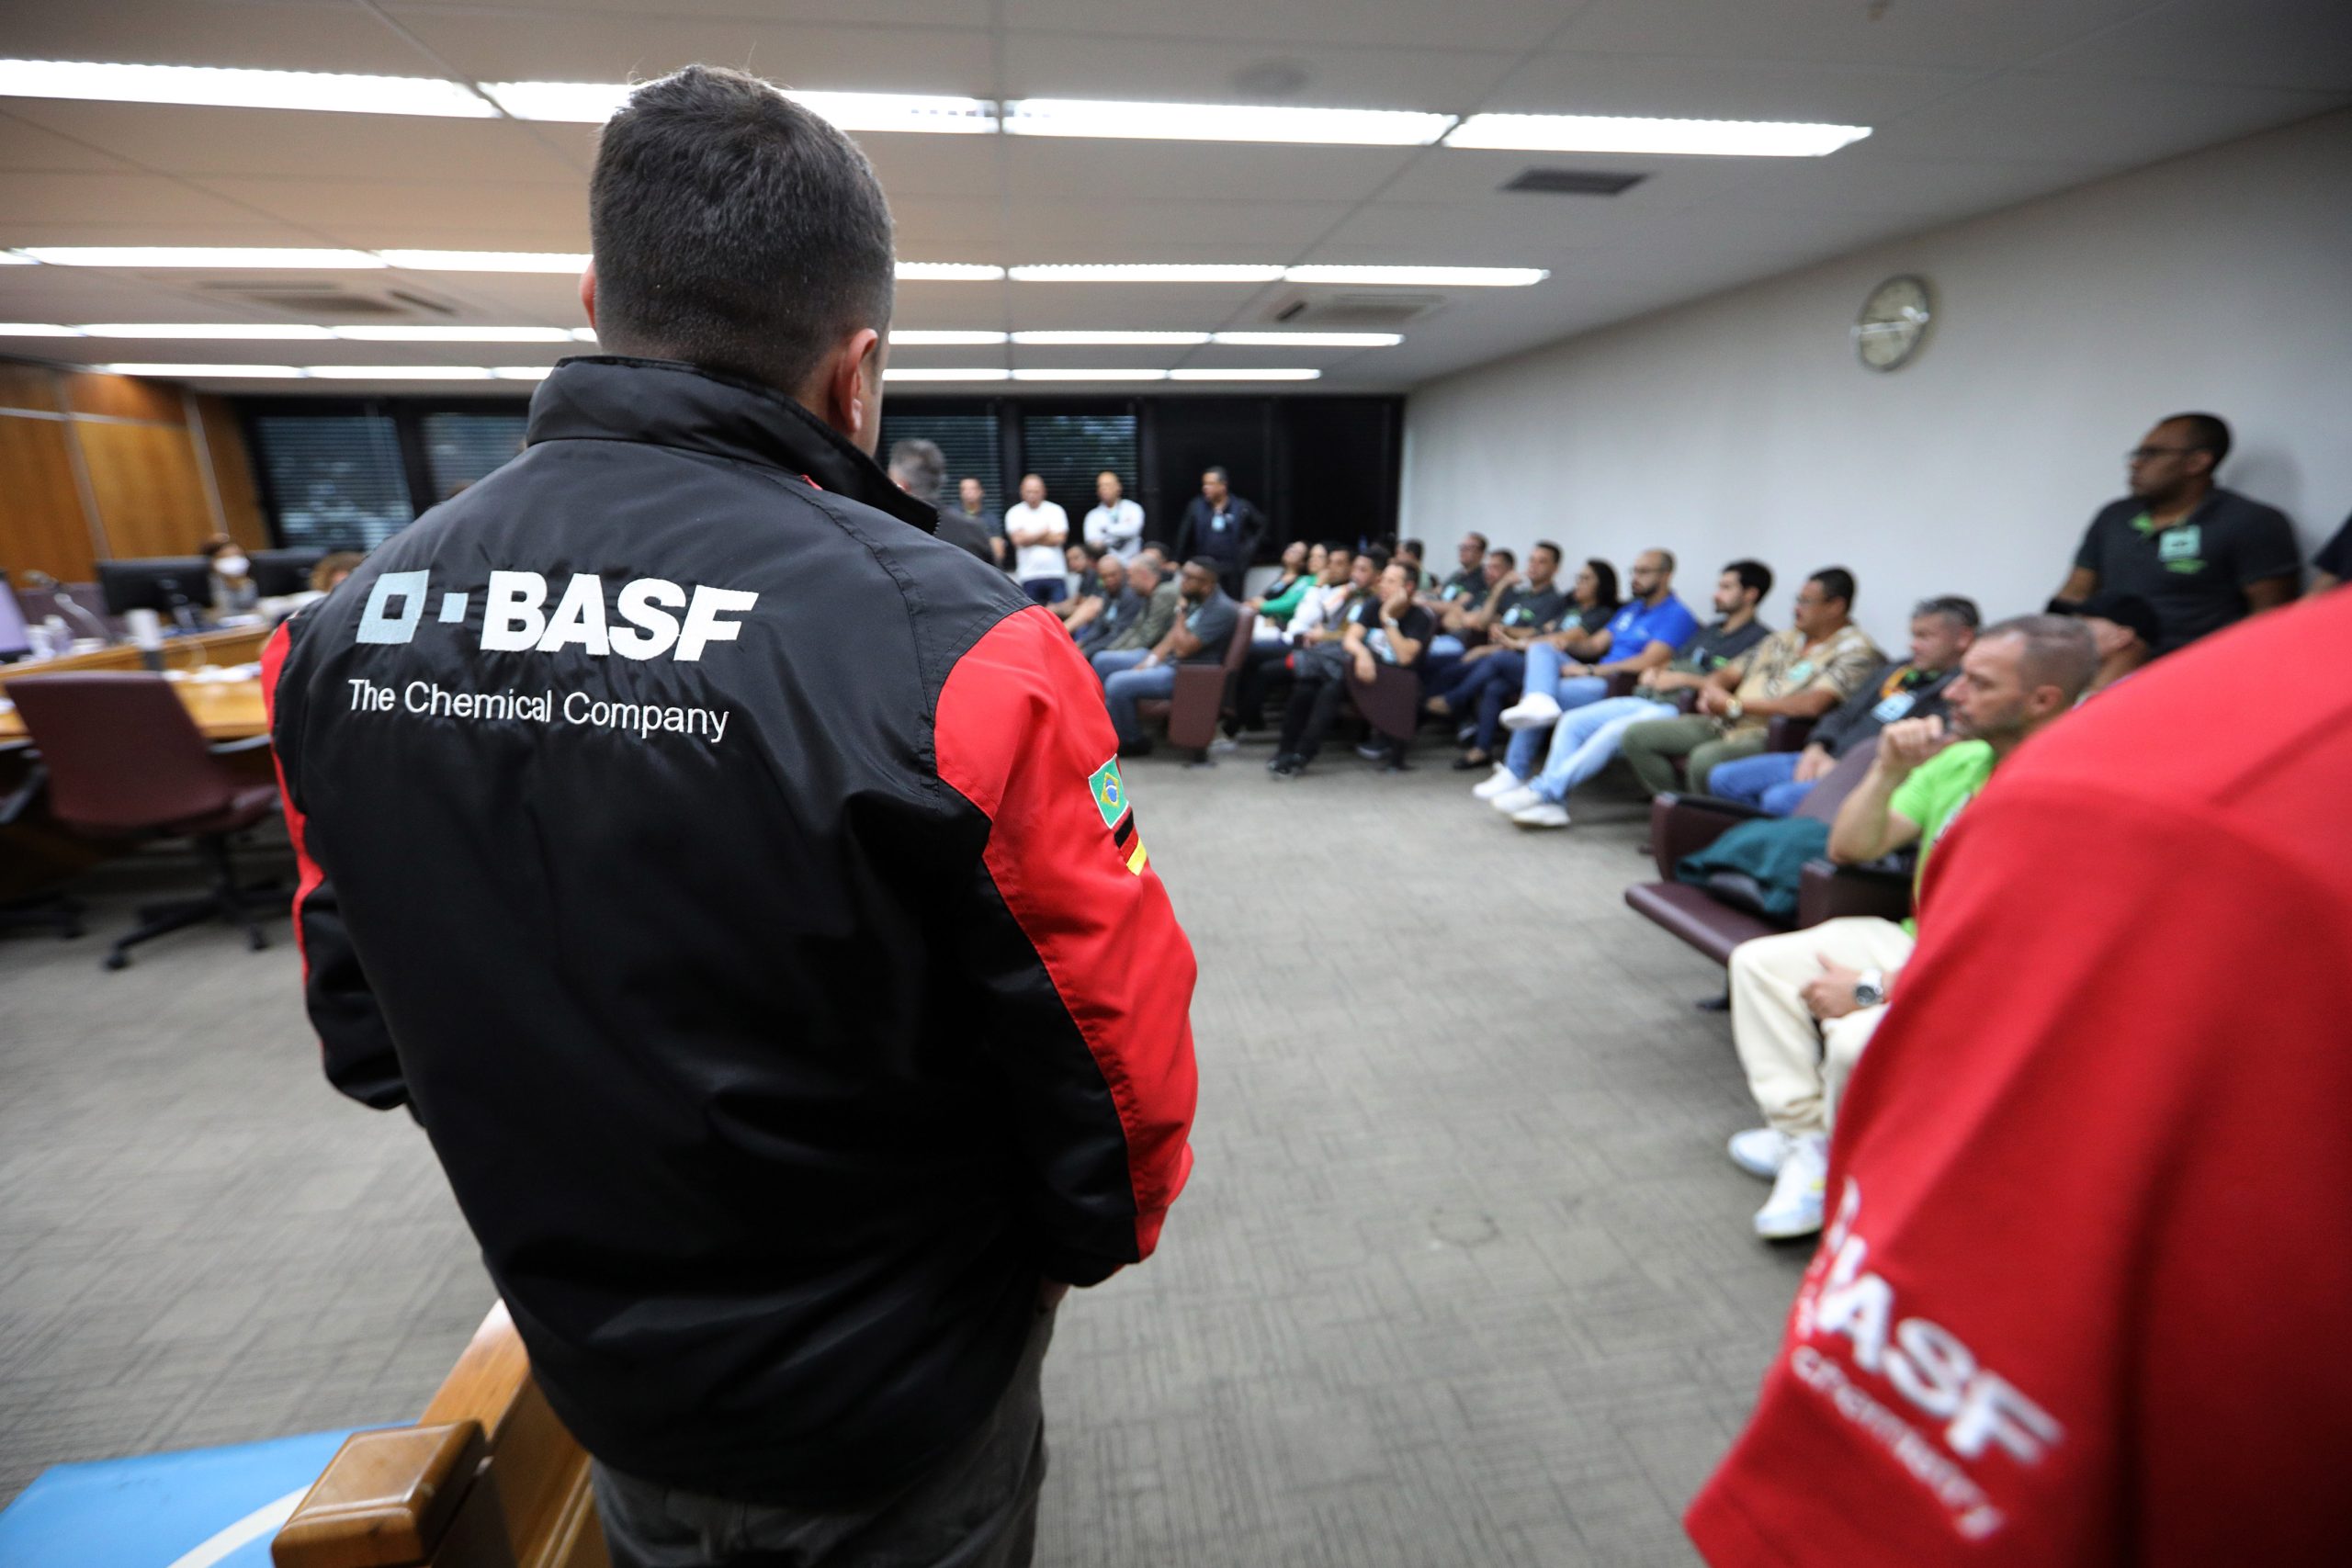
<point x="738" y="885"/>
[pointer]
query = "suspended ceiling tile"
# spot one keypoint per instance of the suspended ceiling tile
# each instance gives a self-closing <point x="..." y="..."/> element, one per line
<point x="2083" y="118"/>
<point x="1054" y="168"/>
<point x="1249" y="25"/>
<point x="1979" y="36"/>
<point x="183" y="139"/>
<point x="1341" y="73"/>
<point x="1719" y="88"/>
<point x="280" y="36"/>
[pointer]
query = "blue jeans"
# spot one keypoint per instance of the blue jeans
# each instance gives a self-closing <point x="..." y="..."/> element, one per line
<point x="1126" y="688"/>
<point x="1766" y="781"/>
<point x="1543" y="663"/>
<point x="1110" y="662"/>
<point x="1493" y="681"/>
<point x="1046" y="589"/>
<point x="1585" y="740"/>
<point x="1439" y="663"/>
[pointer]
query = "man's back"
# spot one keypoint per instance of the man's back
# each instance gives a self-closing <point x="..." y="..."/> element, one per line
<point x="2086" y="1292"/>
<point x="689" y="900"/>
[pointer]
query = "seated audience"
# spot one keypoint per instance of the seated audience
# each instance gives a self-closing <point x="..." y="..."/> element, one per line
<point x="1389" y="628"/>
<point x="1803" y="672"/>
<point x="1116" y="525"/>
<point x="1804" y="1003"/>
<point x="1282" y="596"/>
<point x="917" y="466"/>
<point x="2332" y="562"/>
<point x="1592" y="604"/>
<point x="1321" y="617"/>
<point x="1318" y="555"/>
<point x="2204" y="557"/>
<point x="2124" y="628"/>
<point x="1199" y="636"/>
<point x="1516" y="617"/>
<point x="1102" y="615"/>
<point x="1138" y="637"/>
<point x="1466" y="589"/>
<point x="1080" y="581"/>
<point x="1776" y="782"/>
<point x="1463" y="609"/>
<point x="1642" y="635"/>
<point x="1585" y="740"/>
<point x="1039" y="530"/>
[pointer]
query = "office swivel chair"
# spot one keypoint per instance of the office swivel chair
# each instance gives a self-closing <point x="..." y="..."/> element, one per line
<point x="126" y="761"/>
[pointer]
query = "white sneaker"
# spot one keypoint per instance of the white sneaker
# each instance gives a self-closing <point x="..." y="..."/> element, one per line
<point x="1760" y="1151"/>
<point x="1536" y="710"/>
<point x="1795" y="1208"/>
<point x="1518" y="799"/>
<point x="1496" y="783"/>
<point x="1543" y="814"/>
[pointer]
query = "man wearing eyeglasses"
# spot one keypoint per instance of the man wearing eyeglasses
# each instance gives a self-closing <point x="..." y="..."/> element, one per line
<point x="2205" y="556"/>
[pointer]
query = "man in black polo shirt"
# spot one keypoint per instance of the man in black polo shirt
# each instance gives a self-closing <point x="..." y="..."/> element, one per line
<point x="2203" y="556"/>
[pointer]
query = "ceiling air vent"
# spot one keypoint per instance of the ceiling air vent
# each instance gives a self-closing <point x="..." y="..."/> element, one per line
<point x="326" y="300"/>
<point x="1343" y="309"/>
<point x="1574" y="182"/>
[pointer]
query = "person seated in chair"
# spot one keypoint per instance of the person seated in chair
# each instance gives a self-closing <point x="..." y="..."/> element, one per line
<point x="1321" y="616"/>
<point x="1161" y="596"/>
<point x="1804" y="1003"/>
<point x="1282" y="596"/>
<point x="1199" y="636"/>
<point x="1801" y="672"/>
<point x="1574" y="666"/>
<point x="1082" y="579"/>
<point x="1388" y="629"/>
<point x="1776" y="782"/>
<point x="1101" y="615"/>
<point x="1585" y="741"/>
<point x="1515" y="616"/>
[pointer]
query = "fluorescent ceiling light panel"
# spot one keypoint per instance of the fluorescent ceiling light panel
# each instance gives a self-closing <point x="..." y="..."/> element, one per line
<point x="487" y="261"/>
<point x="1309" y="340"/>
<point x="204" y="372"/>
<point x="585" y="335"/>
<point x="11" y="258"/>
<point x="1144" y="272"/>
<point x="225" y="331"/>
<point x="938" y="373"/>
<point x="949" y="272"/>
<point x="1111" y="339"/>
<point x="926" y="337"/>
<point x="1421" y="276"/>
<point x="1285" y="375"/>
<point x="1616" y="133"/>
<point x="240" y="88"/>
<point x="37" y="328"/>
<point x="521" y="372"/>
<point x="593" y="103"/>
<point x="1086" y="374"/>
<point x="398" y="372"/>
<point x="229" y="258"/>
<point x="1222" y="122"/>
<point x="454" y="334"/>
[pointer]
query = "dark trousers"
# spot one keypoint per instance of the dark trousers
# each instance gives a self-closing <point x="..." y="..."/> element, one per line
<point x="1498" y="678"/>
<point x="976" y="1508"/>
<point x="1307" y="716"/>
<point x="1264" y="668"/>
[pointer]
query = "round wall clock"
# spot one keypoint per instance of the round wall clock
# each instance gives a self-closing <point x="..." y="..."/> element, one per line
<point x="1894" y="322"/>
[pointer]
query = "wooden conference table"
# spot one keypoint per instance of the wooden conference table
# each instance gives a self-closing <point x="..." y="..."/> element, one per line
<point x="223" y="710"/>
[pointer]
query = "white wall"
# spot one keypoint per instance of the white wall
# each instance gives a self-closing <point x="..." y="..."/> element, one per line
<point x="1741" y="424"/>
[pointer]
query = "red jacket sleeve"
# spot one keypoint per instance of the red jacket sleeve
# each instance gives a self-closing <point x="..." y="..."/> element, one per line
<point x="1072" y="938"/>
<point x="355" y="1042"/>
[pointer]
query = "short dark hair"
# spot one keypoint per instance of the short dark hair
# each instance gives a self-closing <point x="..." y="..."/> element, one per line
<point x="1752" y="574"/>
<point x="1209" y="564"/>
<point x="1413" y="548"/>
<point x="1378" y="556"/>
<point x="1219" y="469"/>
<point x="1504" y="551"/>
<point x="1546" y="545"/>
<point x="2207" y="433"/>
<point x="917" y="464"/>
<point x="735" y="229"/>
<point x="1837" y="582"/>
<point x="1335" y="547"/>
<point x="1473" y="533"/>
<point x="1954" y="607"/>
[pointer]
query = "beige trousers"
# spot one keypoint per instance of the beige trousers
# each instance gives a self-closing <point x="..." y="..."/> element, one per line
<point x="1797" y="1066"/>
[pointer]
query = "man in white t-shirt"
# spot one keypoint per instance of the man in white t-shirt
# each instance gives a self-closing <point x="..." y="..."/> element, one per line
<point x="1116" y="525"/>
<point x="1038" y="529"/>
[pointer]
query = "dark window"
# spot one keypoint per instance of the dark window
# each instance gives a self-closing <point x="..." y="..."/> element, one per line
<point x="462" y="448"/>
<point x="969" y="442"/>
<point x="1066" y="450"/>
<point x="337" y="479"/>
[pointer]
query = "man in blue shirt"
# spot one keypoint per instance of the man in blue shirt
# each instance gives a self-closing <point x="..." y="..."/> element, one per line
<point x="1571" y="668"/>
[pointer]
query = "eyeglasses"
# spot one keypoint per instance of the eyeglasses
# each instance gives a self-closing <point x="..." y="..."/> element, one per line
<point x="2142" y="454"/>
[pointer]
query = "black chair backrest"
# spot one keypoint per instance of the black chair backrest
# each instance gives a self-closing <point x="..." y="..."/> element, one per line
<point x="123" y="755"/>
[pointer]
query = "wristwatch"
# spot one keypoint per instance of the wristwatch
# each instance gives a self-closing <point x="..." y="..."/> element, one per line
<point x="1733" y="710"/>
<point x="1869" y="990"/>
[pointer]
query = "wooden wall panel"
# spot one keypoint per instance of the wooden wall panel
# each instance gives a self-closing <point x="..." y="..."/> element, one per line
<point x="232" y="472"/>
<point x="149" y="489"/>
<point x="121" y="397"/>
<point x="41" y="524"/>
<point x="29" y="387"/>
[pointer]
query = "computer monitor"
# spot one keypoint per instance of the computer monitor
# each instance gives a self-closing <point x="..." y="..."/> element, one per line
<point x="278" y="573"/>
<point x="163" y="583"/>
<point x="15" y="640"/>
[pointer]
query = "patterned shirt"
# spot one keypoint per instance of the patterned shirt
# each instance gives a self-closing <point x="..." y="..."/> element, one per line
<point x="1783" y="665"/>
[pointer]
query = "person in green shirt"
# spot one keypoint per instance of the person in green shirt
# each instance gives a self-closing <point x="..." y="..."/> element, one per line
<point x="1805" y="1004"/>
<point x="1283" y="595"/>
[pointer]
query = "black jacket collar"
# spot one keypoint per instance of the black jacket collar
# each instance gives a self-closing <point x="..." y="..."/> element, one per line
<point x="666" y="402"/>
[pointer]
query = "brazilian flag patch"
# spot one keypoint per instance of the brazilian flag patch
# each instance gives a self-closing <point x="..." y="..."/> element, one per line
<point x="1110" y="793"/>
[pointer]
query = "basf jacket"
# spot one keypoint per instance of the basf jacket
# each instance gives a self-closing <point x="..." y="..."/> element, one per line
<point x="738" y="882"/>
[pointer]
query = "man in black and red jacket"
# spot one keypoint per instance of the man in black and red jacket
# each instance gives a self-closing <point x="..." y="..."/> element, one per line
<point x="738" y="885"/>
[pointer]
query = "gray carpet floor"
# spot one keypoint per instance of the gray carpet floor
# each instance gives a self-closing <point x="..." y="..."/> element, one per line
<point x="1463" y="1275"/>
